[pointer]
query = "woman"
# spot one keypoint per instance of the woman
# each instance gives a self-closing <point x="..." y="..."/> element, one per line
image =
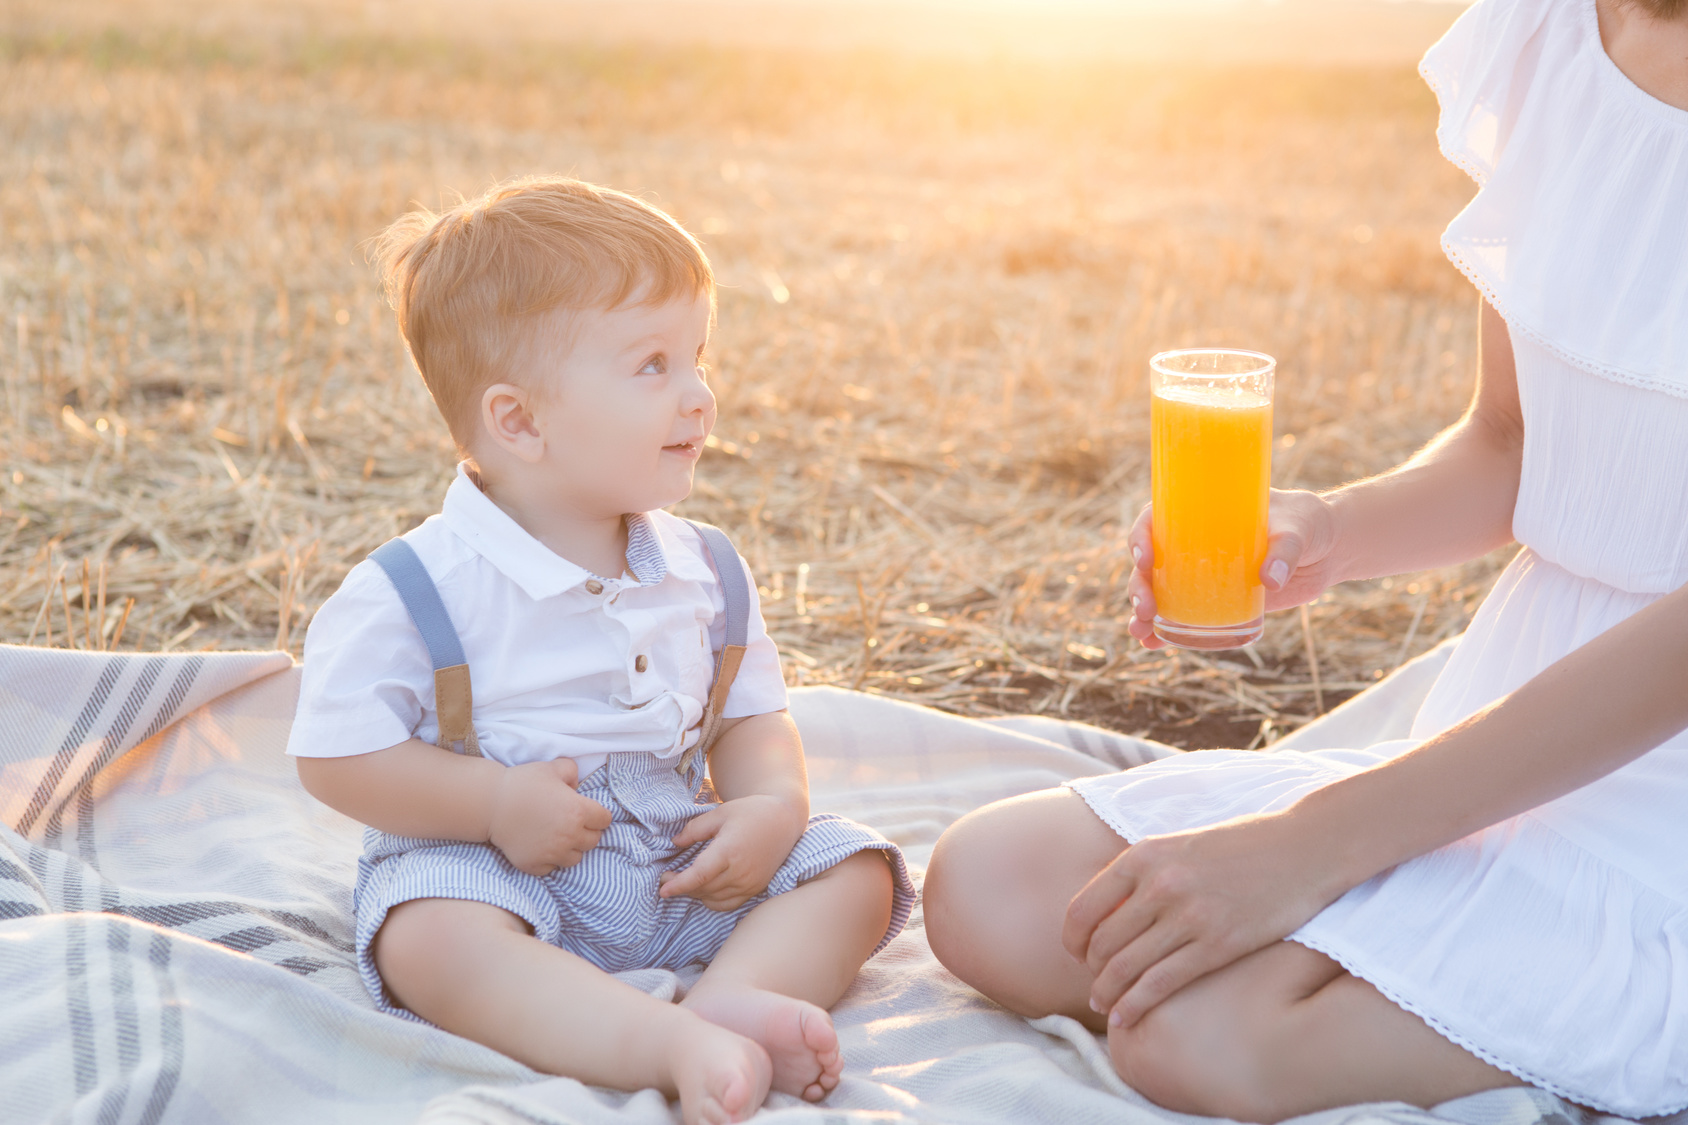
<point x="1503" y="898"/>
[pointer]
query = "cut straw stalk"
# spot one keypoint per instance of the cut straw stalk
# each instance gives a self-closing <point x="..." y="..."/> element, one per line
<point x="43" y="614"/>
<point x="1312" y="659"/>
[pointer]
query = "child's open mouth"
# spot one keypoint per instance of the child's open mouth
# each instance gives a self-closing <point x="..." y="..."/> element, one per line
<point x="684" y="448"/>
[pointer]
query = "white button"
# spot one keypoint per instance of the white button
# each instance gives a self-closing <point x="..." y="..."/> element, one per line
<point x="593" y="586"/>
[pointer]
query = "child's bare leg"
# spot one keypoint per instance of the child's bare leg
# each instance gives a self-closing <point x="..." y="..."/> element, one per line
<point x="476" y="971"/>
<point x="789" y="960"/>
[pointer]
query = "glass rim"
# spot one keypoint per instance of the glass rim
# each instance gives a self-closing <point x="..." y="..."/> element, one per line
<point x="1264" y="365"/>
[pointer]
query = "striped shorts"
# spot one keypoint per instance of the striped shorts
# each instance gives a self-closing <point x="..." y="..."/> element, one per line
<point x="605" y="908"/>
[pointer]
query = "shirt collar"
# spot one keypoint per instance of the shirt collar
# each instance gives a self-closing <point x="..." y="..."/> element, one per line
<point x="647" y="560"/>
<point x="539" y="571"/>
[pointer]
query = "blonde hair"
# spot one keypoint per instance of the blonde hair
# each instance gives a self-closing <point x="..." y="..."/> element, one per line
<point x="472" y="286"/>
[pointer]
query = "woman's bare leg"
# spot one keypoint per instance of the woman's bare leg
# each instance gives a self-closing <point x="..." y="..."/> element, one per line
<point x="1281" y="1032"/>
<point x="1286" y="1031"/>
<point x="477" y="971"/>
<point x="996" y="894"/>
<point x="789" y="960"/>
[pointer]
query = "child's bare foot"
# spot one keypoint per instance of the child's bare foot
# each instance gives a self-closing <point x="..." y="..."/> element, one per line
<point x="797" y="1035"/>
<point x="720" y="1076"/>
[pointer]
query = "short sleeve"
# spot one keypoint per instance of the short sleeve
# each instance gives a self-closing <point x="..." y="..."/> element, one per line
<point x="759" y="686"/>
<point x="367" y="682"/>
<point x="1481" y="71"/>
<point x="1577" y="232"/>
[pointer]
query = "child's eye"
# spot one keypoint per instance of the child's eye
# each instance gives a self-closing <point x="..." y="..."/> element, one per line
<point x="656" y="365"/>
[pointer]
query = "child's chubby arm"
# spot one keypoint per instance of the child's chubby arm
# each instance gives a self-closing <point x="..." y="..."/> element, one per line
<point x="757" y="768"/>
<point x="530" y="812"/>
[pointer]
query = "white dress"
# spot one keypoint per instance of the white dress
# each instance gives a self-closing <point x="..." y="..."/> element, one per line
<point x="1553" y="945"/>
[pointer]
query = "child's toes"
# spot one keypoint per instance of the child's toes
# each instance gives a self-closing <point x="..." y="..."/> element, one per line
<point x="818" y="1033"/>
<point x="734" y="1101"/>
<point x="721" y="1077"/>
<point x="825" y="1083"/>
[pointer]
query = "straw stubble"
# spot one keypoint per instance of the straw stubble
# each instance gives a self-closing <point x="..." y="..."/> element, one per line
<point x="941" y="281"/>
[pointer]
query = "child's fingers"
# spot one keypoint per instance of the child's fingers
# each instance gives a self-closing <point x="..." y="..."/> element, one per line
<point x="698" y="829"/>
<point x="566" y="770"/>
<point x="701" y="873"/>
<point x="725" y="904"/>
<point x="592" y="816"/>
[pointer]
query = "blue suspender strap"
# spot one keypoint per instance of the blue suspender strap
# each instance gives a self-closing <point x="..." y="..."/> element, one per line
<point x="453" y="695"/>
<point x="735" y="585"/>
<point x="735" y="591"/>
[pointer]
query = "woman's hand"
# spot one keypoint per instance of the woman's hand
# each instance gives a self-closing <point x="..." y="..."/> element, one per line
<point x="1301" y="539"/>
<point x="1173" y="908"/>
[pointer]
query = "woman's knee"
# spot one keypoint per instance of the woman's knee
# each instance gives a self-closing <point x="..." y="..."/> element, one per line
<point x="997" y="890"/>
<point x="958" y="893"/>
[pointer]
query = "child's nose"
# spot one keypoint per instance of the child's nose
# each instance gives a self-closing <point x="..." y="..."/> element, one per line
<point x="697" y="398"/>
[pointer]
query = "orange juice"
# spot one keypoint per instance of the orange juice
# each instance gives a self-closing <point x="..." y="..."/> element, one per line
<point x="1211" y="449"/>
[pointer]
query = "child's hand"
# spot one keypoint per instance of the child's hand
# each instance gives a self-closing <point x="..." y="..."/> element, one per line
<point x="1296" y="569"/>
<point x="748" y="840"/>
<point x="539" y="822"/>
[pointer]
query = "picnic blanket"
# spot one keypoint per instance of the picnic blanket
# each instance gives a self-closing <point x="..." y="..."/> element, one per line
<point x="176" y="942"/>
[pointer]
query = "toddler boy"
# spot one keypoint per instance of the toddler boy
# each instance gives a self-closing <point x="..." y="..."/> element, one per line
<point x="545" y="822"/>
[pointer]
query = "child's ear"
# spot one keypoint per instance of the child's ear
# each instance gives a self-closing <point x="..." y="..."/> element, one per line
<point x="509" y="423"/>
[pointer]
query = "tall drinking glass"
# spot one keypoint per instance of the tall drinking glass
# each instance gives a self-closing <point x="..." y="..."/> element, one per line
<point x="1211" y="449"/>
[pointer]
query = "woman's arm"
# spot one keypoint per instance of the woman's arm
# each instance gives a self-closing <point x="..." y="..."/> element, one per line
<point x="1173" y="908"/>
<point x="1450" y="502"/>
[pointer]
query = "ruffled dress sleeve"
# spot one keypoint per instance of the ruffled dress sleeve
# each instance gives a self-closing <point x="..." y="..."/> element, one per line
<point x="1578" y="234"/>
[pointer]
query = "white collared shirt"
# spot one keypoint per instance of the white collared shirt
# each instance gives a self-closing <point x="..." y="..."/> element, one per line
<point x="564" y="663"/>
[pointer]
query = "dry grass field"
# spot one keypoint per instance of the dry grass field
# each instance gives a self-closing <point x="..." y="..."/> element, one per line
<point x="943" y="270"/>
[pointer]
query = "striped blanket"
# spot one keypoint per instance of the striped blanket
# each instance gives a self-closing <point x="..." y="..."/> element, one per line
<point x="175" y="925"/>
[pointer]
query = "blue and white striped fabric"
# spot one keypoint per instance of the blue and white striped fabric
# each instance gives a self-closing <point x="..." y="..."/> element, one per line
<point x="605" y="908"/>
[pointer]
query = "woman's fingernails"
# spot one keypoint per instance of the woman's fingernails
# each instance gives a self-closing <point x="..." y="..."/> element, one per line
<point x="1136" y="556"/>
<point x="1278" y="573"/>
<point x="1095" y="1007"/>
<point x="1136" y="604"/>
<point x="1115" y="1019"/>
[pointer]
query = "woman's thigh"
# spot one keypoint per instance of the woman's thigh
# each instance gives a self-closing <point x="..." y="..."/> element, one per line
<point x="1286" y="1031"/>
<point x="996" y="895"/>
